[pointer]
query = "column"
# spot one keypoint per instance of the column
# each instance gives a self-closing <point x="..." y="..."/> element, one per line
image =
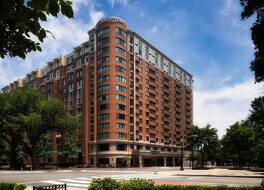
<point x="112" y="161"/>
<point x="129" y="163"/>
<point x="165" y="161"/>
<point x="140" y="159"/>
<point x="95" y="162"/>
<point x="173" y="161"/>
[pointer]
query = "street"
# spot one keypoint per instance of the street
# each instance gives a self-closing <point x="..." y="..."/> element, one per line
<point x="80" y="179"/>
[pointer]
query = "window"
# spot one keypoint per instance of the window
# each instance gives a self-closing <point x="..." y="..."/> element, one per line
<point x="121" y="88"/>
<point x="78" y="63"/>
<point x="103" y="107"/>
<point x="79" y="74"/>
<point x="121" y="69"/>
<point x="121" y="79"/>
<point x="120" y="51"/>
<point x="120" y="32"/>
<point x="147" y="52"/>
<point x="103" y="97"/>
<point x="86" y="49"/>
<point x="120" y="97"/>
<point x="57" y="73"/>
<point x="103" y="31"/>
<point x="101" y="126"/>
<point x="121" y="135"/>
<point x="103" y="147"/>
<point x="103" y="69"/>
<point x="103" y="60"/>
<point x="121" y="42"/>
<point x="121" y="116"/>
<point x="121" y="107"/>
<point x="121" y="126"/>
<point x="103" y="51"/>
<point x="121" y="147"/>
<point x="70" y="87"/>
<point x="103" y="136"/>
<point x="103" y="88"/>
<point x="103" y="116"/>
<point x="140" y="48"/>
<point x="121" y="60"/>
<point x="103" y="41"/>
<point x="103" y="78"/>
<point x="79" y="84"/>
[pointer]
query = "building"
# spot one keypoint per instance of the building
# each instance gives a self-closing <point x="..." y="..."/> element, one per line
<point x="135" y="102"/>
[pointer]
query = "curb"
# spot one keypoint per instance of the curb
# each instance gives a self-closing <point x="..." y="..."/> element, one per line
<point x="239" y="176"/>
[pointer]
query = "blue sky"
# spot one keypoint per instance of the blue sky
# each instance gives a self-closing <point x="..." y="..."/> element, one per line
<point x="205" y="37"/>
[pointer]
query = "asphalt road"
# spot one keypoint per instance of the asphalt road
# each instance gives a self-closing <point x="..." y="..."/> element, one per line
<point x="81" y="178"/>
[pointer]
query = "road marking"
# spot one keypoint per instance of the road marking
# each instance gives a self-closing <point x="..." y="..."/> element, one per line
<point x="84" y="182"/>
<point x="77" y="181"/>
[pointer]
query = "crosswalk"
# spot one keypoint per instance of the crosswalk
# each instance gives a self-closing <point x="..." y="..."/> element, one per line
<point x="84" y="182"/>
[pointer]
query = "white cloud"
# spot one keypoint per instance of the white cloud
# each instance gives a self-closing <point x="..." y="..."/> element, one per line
<point x="76" y="4"/>
<point x="95" y="17"/>
<point x="224" y="106"/>
<point x="230" y="6"/>
<point x="121" y="2"/>
<point x="68" y="34"/>
<point x="153" y="30"/>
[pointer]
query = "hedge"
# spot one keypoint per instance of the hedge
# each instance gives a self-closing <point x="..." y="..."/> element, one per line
<point x="145" y="184"/>
<point x="12" y="186"/>
<point x="196" y="187"/>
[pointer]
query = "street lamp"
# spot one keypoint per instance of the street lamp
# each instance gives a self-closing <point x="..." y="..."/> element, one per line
<point x="181" y="155"/>
<point x="58" y="136"/>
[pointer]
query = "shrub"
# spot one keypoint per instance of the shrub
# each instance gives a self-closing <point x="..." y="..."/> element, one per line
<point x="104" y="184"/>
<point x="145" y="184"/>
<point x="137" y="184"/>
<point x="7" y="186"/>
<point x="12" y="186"/>
<point x="19" y="187"/>
<point x="177" y="187"/>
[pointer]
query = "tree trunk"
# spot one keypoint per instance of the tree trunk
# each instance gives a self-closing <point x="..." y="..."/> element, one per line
<point x="192" y="158"/>
<point x="33" y="157"/>
<point x="13" y="155"/>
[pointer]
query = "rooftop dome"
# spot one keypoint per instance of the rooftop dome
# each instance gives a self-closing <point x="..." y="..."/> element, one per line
<point x="112" y="19"/>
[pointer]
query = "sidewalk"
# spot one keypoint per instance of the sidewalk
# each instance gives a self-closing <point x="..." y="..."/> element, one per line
<point x="214" y="173"/>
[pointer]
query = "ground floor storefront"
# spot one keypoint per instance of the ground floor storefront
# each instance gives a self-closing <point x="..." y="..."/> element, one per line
<point x="136" y="160"/>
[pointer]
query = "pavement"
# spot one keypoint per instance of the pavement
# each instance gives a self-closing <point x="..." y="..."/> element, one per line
<point x="214" y="172"/>
<point x="79" y="178"/>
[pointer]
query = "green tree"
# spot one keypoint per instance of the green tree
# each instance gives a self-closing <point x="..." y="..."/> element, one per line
<point x="257" y="122"/>
<point x="49" y="115"/>
<point x="43" y="148"/>
<point x="4" y="151"/>
<point x="193" y="142"/>
<point x="250" y="8"/>
<point x="204" y="145"/>
<point x="257" y="116"/>
<point x="209" y="145"/>
<point x="26" y="116"/>
<point x="20" y="20"/>
<point x="70" y="148"/>
<point x="238" y="143"/>
<point x="13" y="105"/>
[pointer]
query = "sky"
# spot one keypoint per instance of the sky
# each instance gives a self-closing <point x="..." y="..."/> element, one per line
<point x="206" y="37"/>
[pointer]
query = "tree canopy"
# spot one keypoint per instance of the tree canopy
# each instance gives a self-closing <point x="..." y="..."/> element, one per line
<point x="27" y="116"/>
<point x="238" y="142"/>
<point x="204" y="144"/>
<point x="256" y="8"/>
<point x="20" y="23"/>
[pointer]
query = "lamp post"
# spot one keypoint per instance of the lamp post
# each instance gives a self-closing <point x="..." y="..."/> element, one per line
<point x="181" y="155"/>
<point x="58" y="136"/>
